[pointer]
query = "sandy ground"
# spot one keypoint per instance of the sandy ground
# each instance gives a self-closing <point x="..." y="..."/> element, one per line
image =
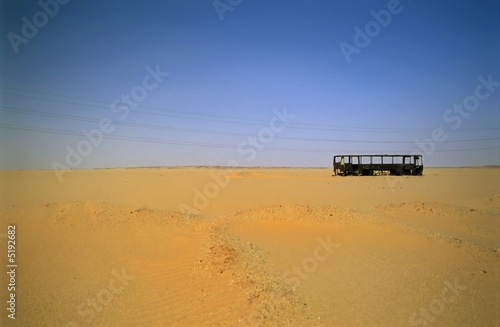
<point x="252" y="247"/>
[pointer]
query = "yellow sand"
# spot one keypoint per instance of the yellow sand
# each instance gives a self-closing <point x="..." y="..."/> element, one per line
<point x="249" y="247"/>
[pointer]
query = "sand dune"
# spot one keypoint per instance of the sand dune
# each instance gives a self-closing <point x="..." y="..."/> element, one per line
<point x="270" y="247"/>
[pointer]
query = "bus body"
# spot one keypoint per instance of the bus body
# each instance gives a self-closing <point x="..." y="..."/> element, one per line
<point x="378" y="164"/>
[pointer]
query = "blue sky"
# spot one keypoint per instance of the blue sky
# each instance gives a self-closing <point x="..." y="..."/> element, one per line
<point x="219" y="83"/>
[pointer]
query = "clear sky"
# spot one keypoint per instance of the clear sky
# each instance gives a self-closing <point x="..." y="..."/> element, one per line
<point x="257" y="83"/>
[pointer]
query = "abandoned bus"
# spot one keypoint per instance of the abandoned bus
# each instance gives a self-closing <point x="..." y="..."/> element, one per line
<point x="377" y="164"/>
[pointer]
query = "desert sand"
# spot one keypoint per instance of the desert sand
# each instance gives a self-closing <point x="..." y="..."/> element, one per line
<point x="252" y="247"/>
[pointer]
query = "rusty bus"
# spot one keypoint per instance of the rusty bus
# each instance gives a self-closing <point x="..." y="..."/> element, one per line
<point x="377" y="164"/>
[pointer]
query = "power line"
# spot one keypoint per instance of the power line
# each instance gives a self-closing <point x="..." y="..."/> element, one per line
<point x="148" y="126"/>
<point x="140" y="139"/>
<point x="200" y="144"/>
<point x="107" y="105"/>
<point x="212" y="118"/>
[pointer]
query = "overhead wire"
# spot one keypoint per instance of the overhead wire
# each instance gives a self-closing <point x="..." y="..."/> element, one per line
<point x="205" y="117"/>
<point x="201" y="144"/>
<point x="192" y="130"/>
<point x="145" y="110"/>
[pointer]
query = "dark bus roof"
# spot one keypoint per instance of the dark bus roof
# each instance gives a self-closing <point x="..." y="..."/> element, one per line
<point x="378" y="155"/>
